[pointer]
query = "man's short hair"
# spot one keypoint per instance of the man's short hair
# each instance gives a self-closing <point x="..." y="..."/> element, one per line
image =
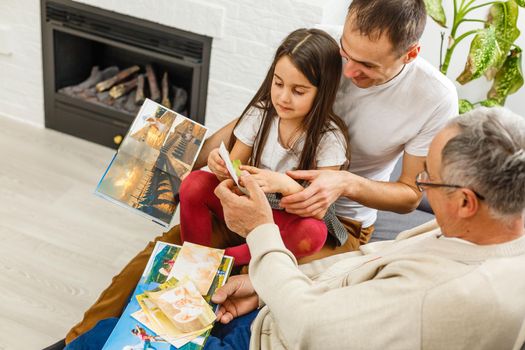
<point x="403" y="21"/>
<point x="488" y="155"/>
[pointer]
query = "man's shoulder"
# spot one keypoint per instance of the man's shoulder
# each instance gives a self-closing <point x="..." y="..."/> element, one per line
<point x="486" y="294"/>
<point x="430" y="79"/>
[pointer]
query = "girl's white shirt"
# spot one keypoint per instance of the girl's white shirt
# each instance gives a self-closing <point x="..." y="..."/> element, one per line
<point x="275" y="157"/>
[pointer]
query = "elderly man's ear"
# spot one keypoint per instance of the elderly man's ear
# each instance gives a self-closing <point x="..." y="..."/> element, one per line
<point x="469" y="203"/>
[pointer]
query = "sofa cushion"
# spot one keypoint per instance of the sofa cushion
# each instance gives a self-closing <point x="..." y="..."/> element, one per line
<point x="388" y="225"/>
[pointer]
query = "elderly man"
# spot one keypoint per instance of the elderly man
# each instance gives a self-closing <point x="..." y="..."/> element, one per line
<point x="458" y="284"/>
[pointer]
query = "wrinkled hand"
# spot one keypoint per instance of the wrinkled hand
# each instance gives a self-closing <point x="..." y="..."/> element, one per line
<point x="242" y="213"/>
<point x="272" y="181"/>
<point x="236" y="298"/>
<point x="325" y="187"/>
<point x="217" y="165"/>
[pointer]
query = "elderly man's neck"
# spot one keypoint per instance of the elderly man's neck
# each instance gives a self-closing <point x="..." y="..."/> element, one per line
<point x="488" y="231"/>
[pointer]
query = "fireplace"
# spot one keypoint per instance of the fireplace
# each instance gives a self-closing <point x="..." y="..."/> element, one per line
<point x="79" y="40"/>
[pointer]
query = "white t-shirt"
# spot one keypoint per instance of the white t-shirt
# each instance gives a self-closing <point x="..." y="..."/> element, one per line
<point x="330" y="151"/>
<point x="402" y="115"/>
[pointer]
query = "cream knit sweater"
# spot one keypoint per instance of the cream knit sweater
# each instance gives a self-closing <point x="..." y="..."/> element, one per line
<point x="421" y="291"/>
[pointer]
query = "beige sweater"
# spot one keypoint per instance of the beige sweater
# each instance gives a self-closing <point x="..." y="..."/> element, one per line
<point x="422" y="292"/>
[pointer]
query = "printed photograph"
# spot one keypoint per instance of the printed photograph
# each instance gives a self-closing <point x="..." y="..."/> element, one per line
<point x="158" y="152"/>
<point x="182" y="306"/>
<point x="140" y="185"/>
<point x="197" y="263"/>
<point x="154" y="278"/>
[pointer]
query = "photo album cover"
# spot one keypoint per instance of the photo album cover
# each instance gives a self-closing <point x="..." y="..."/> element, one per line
<point x="171" y="306"/>
<point x="158" y="151"/>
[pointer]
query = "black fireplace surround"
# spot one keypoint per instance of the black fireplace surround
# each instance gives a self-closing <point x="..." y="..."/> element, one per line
<point x="77" y="37"/>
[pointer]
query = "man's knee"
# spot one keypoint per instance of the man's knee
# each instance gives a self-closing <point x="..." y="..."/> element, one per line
<point x="172" y="236"/>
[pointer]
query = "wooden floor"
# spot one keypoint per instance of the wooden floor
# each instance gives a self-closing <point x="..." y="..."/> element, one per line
<point x="60" y="244"/>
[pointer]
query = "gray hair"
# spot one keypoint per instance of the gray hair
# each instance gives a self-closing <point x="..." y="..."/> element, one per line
<point x="488" y="156"/>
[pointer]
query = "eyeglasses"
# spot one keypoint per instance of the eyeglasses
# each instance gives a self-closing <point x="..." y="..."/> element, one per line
<point x="422" y="180"/>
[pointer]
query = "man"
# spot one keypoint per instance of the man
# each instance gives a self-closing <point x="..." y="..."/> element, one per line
<point x="457" y="285"/>
<point x="393" y="102"/>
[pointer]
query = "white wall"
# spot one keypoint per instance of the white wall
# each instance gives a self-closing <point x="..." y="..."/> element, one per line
<point x="21" y="87"/>
<point x="245" y="35"/>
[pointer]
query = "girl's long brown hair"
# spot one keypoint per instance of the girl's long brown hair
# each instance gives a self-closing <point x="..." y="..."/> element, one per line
<point x="316" y="54"/>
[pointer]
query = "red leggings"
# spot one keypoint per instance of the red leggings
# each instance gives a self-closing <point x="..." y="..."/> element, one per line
<point x="302" y="236"/>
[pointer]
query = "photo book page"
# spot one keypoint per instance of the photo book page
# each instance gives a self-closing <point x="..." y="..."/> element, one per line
<point x="158" y="151"/>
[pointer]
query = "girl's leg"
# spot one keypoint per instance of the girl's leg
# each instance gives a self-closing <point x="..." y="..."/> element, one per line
<point x="241" y="254"/>
<point x="302" y="236"/>
<point x="197" y="203"/>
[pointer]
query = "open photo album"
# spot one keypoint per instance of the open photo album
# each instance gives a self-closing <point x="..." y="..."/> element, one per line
<point x="158" y="151"/>
<point x="171" y="306"/>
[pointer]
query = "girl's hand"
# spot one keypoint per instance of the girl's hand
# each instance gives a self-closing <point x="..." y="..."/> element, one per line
<point x="271" y="181"/>
<point x="217" y="165"/>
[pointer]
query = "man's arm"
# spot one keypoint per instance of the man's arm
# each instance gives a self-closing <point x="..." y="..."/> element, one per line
<point x="315" y="268"/>
<point x="401" y="196"/>
<point x="214" y="141"/>
<point x="342" y="310"/>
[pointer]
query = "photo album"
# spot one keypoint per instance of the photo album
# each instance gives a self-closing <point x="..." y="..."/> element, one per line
<point x="158" y="151"/>
<point x="171" y="306"/>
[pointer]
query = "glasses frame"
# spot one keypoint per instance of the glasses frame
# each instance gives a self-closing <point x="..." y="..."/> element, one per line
<point x="421" y="184"/>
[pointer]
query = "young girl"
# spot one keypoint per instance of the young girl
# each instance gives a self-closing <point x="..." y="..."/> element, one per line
<point x="289" y="124"/>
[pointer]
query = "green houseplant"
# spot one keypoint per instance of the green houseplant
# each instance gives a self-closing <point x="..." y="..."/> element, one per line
<point x="493" y="52"/>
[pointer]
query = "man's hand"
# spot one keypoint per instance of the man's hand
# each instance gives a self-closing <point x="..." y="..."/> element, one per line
<point x="217" y="165"/>
<point x="325" y="187"/>
<point x="272" y="181"/>
<point x="236" y="298"/>
<point x="242" y="213"/>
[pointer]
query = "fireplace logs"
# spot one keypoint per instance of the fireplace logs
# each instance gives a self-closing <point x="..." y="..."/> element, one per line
<point x="106" y="84"/>
<point x="165" y="91"/>
<point x="122" y="89"/>
<point x="180" y="97"/>
<point x="152" y="81"/>
<point x="139" y="96"/>
<point x="127" y="89"/>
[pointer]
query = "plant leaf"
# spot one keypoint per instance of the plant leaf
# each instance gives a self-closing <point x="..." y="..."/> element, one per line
<point x="465" y="106"/>
<point x="436" y="12"/>
<point x="509" y="78"/>
<point x="490" y="103"/>
<point x="503" y="16"/>
<point x="521" y="3"/>
<point x="484" y="52"/>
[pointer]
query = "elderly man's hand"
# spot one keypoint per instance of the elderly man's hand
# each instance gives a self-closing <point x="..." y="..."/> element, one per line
<point x="244" y="213"/>
<point x="236" y="298"/>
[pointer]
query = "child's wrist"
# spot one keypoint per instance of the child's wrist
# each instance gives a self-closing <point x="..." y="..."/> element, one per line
<point x="285" y="191"/>
<point x="292" y="187"/>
